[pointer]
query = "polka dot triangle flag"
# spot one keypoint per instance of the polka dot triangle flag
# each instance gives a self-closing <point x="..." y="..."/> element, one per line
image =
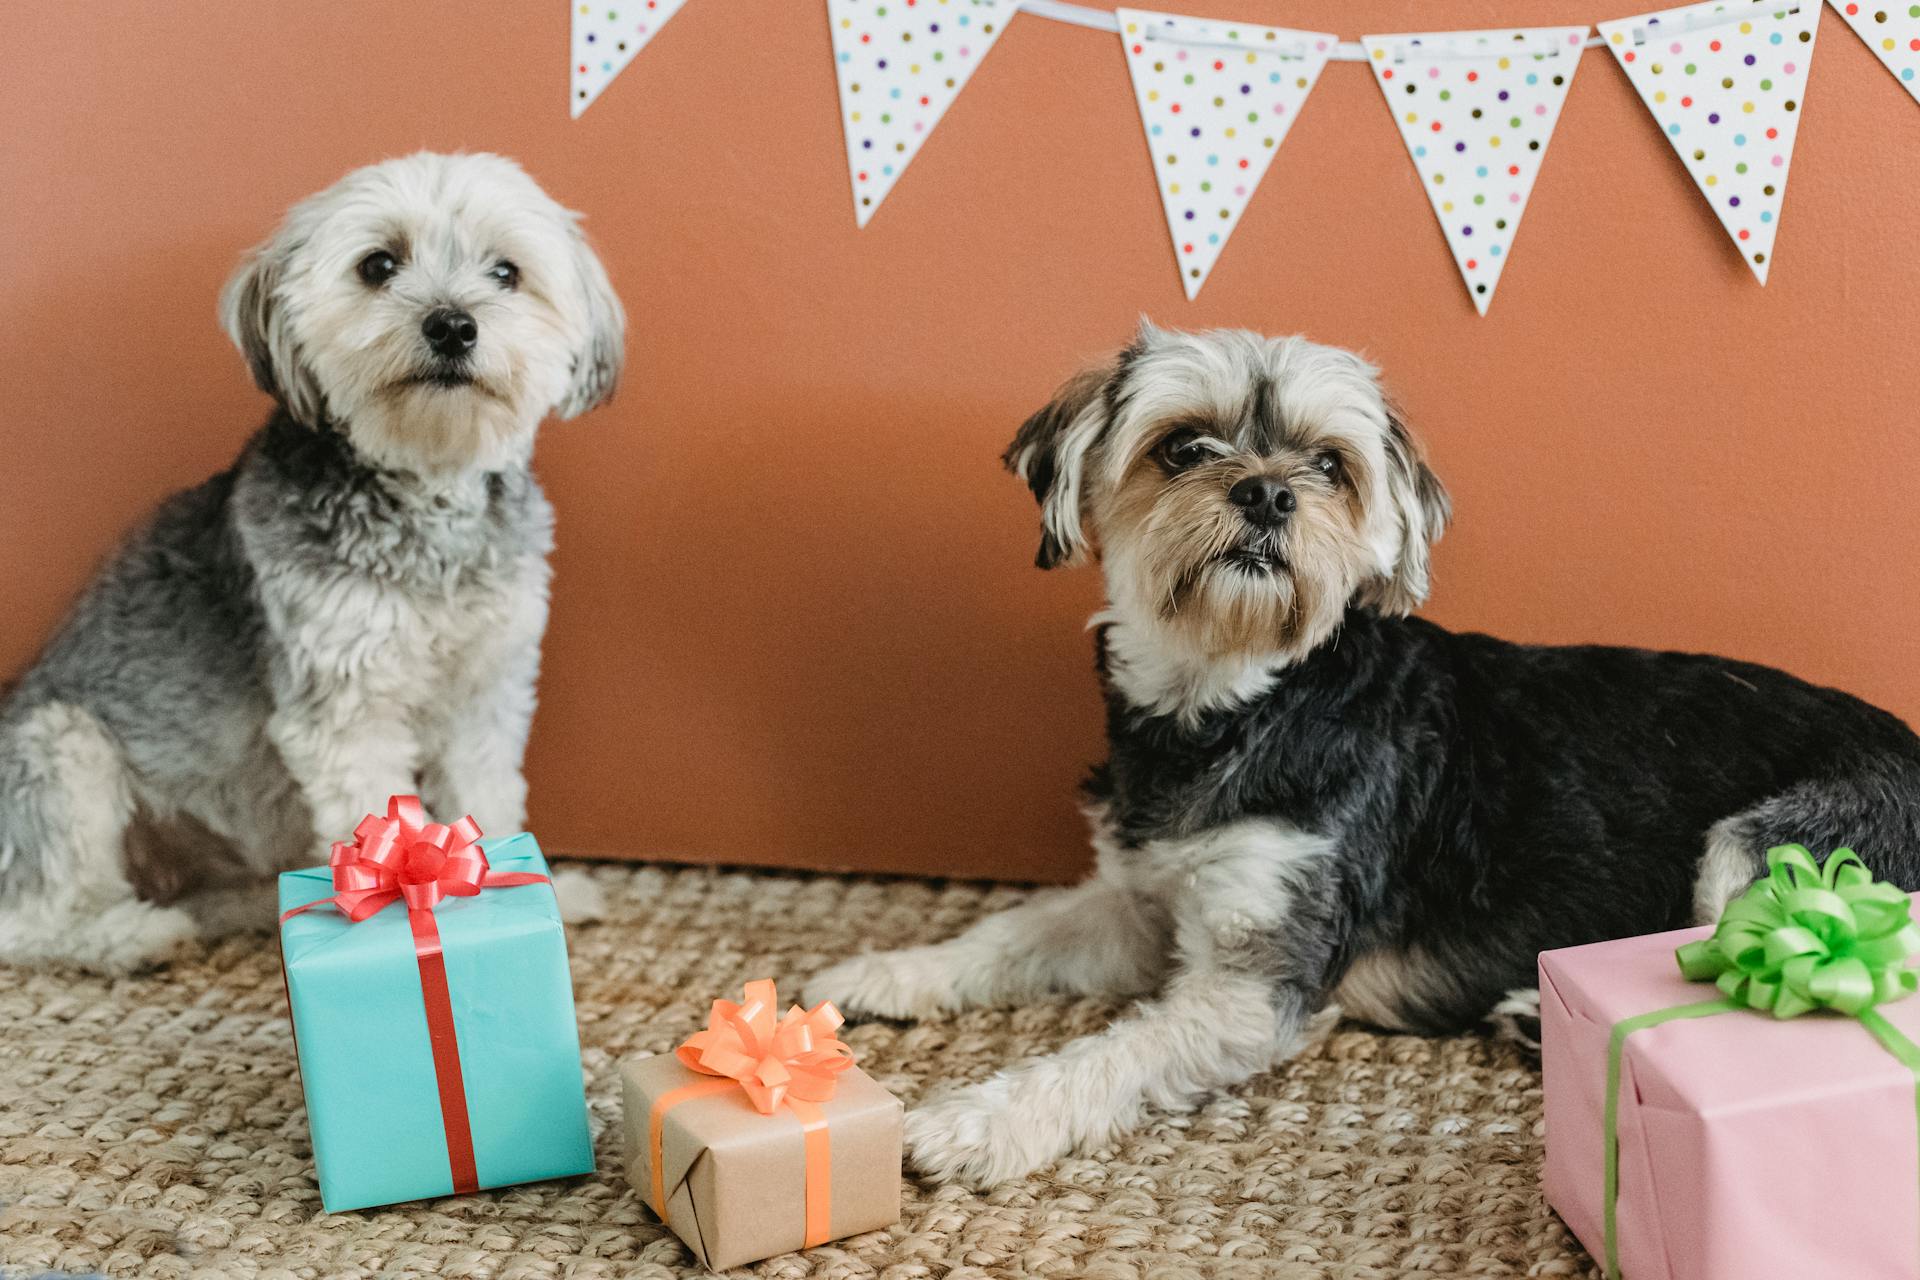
<point x="1725" y="81"/>
<point x="1476" y="110"/>
<point x="901" y="64"/>
<point x="1892" y="31"/>
<point x="606" y="36"/>
<point x="1216" y="99"/>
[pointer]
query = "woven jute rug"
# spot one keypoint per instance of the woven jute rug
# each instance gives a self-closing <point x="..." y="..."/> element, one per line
<point x="153" y="1126"/>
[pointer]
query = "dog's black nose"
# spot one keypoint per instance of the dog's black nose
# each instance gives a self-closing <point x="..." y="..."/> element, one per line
<point x="1263" y="500"/>
<point x="450" y="333"/>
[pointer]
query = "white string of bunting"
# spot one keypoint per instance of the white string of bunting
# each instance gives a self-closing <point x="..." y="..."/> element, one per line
<point x="1724" y="80"/>
<point x="1101" y="20"/>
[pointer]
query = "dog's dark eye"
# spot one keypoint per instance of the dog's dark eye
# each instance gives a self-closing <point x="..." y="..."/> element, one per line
<point x="505" y="274"/>
<point x="1182" y="450"/>
<point x="1327" y="464"/>
<point x="378" y="267"/>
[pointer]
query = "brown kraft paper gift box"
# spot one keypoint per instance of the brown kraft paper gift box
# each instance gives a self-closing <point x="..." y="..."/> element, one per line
<point x="736" y="1179"/>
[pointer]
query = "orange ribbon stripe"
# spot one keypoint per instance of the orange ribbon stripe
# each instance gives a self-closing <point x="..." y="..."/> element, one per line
<point x="656" y="1127"/>
<point x="819" y="1157"/>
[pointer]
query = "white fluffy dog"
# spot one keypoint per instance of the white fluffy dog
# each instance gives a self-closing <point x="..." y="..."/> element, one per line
<point x="353" y="610"/>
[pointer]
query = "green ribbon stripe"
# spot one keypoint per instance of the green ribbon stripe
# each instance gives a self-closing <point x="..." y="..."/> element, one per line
<point x="1804" y="938"/>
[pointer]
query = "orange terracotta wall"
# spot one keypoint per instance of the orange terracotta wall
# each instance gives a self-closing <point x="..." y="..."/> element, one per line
<point x="795" y="617"/>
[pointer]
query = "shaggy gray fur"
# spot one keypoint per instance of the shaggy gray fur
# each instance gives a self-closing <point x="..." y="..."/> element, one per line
<point x="353" y="610"/>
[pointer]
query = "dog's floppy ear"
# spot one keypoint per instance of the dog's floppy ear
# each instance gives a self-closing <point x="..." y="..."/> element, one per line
<point x="603" y="353"/>
<point x="1050" y="454"/>
<point x="255" y="317"/>
<point x="1421" y="502"/>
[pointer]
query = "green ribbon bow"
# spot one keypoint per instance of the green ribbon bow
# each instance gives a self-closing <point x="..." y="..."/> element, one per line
<point x="1804" y="938"/>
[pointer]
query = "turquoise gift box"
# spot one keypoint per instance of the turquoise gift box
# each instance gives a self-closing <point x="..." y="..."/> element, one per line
<point x="366" y="1056"/>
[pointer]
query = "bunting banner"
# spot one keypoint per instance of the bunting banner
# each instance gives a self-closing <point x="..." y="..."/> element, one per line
<point x="1726" y="82"/>
<point x="606" y="36"/>
<point x="1476" y="110"/>
<point x="901" y="65"/>
<point x="1892" y="31"/>
<point x="1216" y="100"/>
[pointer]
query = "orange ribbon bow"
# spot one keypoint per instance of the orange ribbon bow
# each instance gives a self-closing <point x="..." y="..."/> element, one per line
<point x="797" y="1057"/>
<point x="794" y="1062"/>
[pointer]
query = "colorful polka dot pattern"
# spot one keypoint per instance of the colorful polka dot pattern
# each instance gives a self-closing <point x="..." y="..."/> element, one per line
<point x="1892" y="31"/>
<point x="1216" y="99"/>
<point x="1476" y="110"/>
<point x="901" y="64"/>
<point x="606" y="36"/>
<point x="1726" y="82"/>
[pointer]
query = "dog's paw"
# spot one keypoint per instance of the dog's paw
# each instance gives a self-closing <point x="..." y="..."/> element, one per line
<point x="580" y="896"/>
<point x="126" y="937"/>
<point x="1517" y="1018"/>
<point x="886" y="984"/>
<point x="982" y="1135"/>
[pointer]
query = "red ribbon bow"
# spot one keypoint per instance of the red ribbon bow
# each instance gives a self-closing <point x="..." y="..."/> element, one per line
<point x="797" y="1057"/>
<point x="404" y="857"/>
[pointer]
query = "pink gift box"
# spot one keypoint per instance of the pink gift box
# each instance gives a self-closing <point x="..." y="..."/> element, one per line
<point x="1750" y="1147"/>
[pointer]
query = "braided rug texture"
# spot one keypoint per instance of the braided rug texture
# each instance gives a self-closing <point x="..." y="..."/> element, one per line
<point x="154" y="1126"/>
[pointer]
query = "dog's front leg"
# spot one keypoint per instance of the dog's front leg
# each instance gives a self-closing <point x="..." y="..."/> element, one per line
<point x="349" y="750"/>
<point x="476" y="740"/>
<point x="1253" y="951"/>
<point x="1211" y="1029"/>
<point x="1098" y="938"/>
<point x="475" y="737"/>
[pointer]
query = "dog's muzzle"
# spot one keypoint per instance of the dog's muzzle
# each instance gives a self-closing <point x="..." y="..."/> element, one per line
<point x="1256" y="557"/>
<point x="451" y="333"/>
<point x="1264" y="502"/>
